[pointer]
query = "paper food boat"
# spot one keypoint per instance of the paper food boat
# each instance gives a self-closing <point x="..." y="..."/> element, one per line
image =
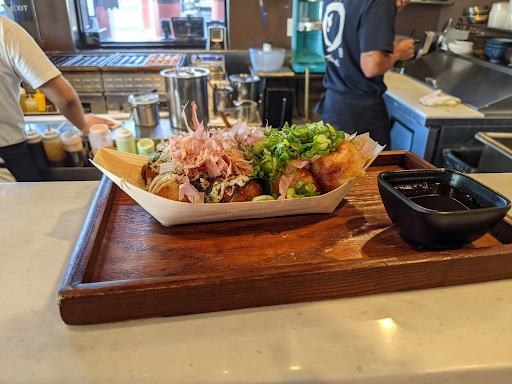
<point x="124" y="169"/>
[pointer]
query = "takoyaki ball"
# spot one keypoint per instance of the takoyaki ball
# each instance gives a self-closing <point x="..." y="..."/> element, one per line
<point x="248" y="192"/>
<point x="147" y="173"/>
<point x="171" y="190"/>
<point x="234" y="192"/>
<point x="300" y="174"/>
<point x="346" y="163"/>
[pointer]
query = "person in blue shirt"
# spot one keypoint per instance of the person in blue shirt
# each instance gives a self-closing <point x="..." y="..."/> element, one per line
<point x="359" y="48"/>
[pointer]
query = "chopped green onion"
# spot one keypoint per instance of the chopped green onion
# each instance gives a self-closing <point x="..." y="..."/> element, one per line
<point x="263" y="198"/>
<point x="271" y="156"/>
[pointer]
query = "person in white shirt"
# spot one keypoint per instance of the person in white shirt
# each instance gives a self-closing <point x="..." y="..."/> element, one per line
<point x="21" y="59"/>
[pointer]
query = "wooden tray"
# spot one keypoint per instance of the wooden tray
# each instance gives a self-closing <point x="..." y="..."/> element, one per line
<point x="127" y="266"/>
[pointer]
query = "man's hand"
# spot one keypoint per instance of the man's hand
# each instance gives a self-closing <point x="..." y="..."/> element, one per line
<point x="404" y="49"/>
<point x="400" y="4"/>
<point x="91" y="119"/>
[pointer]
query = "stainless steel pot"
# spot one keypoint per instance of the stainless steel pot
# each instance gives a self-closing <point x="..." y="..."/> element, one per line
<point x="184" y="85"/>
<point x="245" y="87"/>
<point x="144" y="109"/>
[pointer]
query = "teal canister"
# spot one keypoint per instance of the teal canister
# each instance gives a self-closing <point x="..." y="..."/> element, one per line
<point x="125" y="142"/>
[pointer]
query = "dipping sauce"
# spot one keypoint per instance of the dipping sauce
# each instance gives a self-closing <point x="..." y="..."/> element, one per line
<point x="438" y="197"/>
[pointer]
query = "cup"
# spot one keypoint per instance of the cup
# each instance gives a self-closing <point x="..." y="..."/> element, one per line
<point x="498" y="15"/>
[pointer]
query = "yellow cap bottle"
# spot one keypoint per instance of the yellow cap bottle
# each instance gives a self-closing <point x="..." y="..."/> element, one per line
<point x="23" y="97"/>
<point x="41" y="101"/>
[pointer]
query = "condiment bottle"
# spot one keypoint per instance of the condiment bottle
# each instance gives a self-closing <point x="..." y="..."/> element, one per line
<point x="40" y="100"/>
<point x="36" y="148"/>
<point x="100" y="136"/>
<point x="146" y="147"/>
<point x="74" y="147"/>
<point x="30" y="104"/>
<point x="23" y="97"/>
<point x="54" y="148"/>
<point x="125" y="141"/>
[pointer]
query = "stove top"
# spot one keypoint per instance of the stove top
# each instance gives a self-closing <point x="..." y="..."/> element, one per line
<point x="118" y="60"/>
<point x="81" y="60"/>
<point x="144" y="59"/>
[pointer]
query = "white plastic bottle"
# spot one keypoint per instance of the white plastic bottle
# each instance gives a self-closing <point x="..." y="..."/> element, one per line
<point x="100" y="136"/>
<point x="125" y="141"/>
<point x="31" y="104"/>
<point x="23" y="98"/>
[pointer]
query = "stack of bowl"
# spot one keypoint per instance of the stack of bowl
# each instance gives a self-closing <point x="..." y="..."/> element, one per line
<point x="477" y="14"/>
<point x="508" y="56"/>
<point x="495" y="49"/>
<point x="479" y="46"/>
<point x="461" y="47"/>
<point x="478" y="37"/>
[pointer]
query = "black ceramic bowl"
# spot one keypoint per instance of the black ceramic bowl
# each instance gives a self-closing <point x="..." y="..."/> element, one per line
<point x="440" y="208"/>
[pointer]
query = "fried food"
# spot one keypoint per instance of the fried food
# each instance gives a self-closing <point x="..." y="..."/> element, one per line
<point x="282" y="183"/>
<point x="167" y="185"/>
<point x="234" y="189"/>
<point x="344" y="164"/>
<point x="147" y="173"/>
<point x="237" y="163"/>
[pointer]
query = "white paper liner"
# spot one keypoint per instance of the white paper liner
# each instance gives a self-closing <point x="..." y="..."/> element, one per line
<point x="124" y="169"/>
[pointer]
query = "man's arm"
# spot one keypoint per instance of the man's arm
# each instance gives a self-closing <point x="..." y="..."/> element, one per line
<point x="376" y="63"/>
<point x="65" y="98"/>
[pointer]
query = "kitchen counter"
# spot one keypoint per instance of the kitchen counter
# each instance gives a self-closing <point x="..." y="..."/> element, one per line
<point x="451" y="335"/>
<point x="406" y="90"/>
<point x="429" y="131"/>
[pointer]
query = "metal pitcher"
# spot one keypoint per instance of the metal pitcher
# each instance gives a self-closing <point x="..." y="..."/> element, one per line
<point x="222" y="99"/>
<point x="184" y="85"/>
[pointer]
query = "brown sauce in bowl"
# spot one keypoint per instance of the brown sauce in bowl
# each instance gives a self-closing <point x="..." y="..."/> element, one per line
<point x="438" y="197"/>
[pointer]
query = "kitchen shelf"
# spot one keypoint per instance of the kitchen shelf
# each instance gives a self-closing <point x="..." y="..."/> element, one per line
<point x="486" y="28"/>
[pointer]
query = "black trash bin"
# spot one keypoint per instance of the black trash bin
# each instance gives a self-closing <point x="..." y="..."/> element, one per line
<point x="462" y="159"/>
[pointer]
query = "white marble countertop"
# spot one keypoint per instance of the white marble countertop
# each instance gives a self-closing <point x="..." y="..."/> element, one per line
<point x="450" y="335"/>
<point x="409" y="91"/>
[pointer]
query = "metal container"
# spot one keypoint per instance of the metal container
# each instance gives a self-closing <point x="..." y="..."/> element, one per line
<point x="222" y="98"/>
<point x="248" y="112"/>
<point x="497" y="152"/>
<point x="144" y="109"/>
<point x="245" y="87"/>
<point x="184" y="85"/>
<point x="476" y="10"/>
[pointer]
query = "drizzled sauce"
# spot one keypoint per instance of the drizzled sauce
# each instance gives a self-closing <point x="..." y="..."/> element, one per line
<point x="438" y="197"/>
